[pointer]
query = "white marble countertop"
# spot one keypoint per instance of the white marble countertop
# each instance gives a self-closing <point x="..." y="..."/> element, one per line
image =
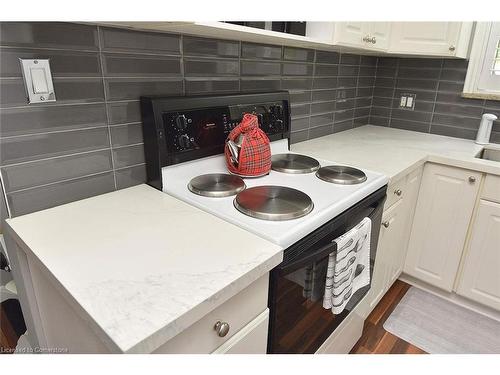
<point x="140" y="265"/>
<point x="395" y="152"/>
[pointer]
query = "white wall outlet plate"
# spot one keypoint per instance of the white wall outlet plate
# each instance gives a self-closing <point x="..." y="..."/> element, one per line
<point x="38" y="80"/>
<point x="407" y="101"/>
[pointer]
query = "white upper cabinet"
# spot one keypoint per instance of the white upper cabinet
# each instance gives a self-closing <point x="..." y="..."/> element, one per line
<point x="380" y="34"/>
<point x="350" y="33"/>
<point x="431" y="38"/>
<point x="405" y="38"/>
<point x="363" y="35"/>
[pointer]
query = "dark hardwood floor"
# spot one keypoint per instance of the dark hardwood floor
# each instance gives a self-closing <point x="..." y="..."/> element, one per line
<point x="11" y="325"/>
<point x="375" y="339"/>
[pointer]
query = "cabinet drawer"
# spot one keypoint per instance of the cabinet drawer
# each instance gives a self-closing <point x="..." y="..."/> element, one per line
<point x="251" y="339"/>
<point x="491" y="188"/>
<point x="395" y="192"/>
<point x="238" y="311"/>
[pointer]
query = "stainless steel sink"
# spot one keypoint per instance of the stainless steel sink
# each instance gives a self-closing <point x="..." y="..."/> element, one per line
<point x="489" y="154"/>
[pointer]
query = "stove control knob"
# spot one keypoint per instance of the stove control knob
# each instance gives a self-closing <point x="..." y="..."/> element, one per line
<point x="184" y="141"/>
<point x="279" y="125"/>
<point x="181" y="122"/>
<point x="278" y="110"/>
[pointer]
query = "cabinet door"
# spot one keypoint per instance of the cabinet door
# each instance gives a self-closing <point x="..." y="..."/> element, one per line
<point x="444" y="209"/>
<point x="381" y="31"/>
<point x="351" y="33"/>
<point x="480" y="279"/>
<point x="392" y="231"/>
<point x="410" y="194"/>
<point x="426" y="38"/>
<point x="383" y="261"/>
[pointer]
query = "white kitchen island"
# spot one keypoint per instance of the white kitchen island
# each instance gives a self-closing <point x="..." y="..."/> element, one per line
<point x="126" y="271"/>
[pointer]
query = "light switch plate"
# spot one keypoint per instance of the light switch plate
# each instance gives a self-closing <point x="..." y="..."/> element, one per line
<point x="38" y="80"/>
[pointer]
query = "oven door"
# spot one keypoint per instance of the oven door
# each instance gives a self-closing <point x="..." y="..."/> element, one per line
<point x="298" y="321"/>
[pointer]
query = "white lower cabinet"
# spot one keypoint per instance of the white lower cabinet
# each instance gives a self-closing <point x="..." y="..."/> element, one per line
<point x="251" y="339"/>
<point x="393" y="239"/>
<point x="444" y="209"/>
<point x="480" y="279"/>
<point x="243" y="314"/>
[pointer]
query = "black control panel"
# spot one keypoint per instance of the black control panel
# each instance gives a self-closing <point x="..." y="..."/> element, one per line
<point x="205" y="128"/>
<point x="179" y="129"/>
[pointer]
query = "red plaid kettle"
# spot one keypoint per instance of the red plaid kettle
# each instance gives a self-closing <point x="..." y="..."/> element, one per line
<point x="247" y="150"/>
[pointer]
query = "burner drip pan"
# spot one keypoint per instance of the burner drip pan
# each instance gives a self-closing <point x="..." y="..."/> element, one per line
<point x="216" y="185"/>
<point x="273" y="203"/>
<point x="341" y="174"/>
<point x="294" y="163"/>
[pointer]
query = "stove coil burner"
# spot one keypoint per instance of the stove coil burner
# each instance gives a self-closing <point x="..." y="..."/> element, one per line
<point x="294" y="163"/>
<point x="273" y="203"/>
<point x="216" y="185"/>
<point x="341" y="174"/>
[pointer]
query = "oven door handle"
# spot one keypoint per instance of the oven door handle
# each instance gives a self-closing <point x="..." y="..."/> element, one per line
<point x="302" y="261"/>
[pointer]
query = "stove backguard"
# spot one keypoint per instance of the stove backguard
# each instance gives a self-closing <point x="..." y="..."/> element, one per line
<point x="180" y="129"/>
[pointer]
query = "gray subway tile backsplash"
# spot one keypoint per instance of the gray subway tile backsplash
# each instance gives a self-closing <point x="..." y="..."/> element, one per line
<point x="45" y="145"/>
<point x="210" y="47"/>
<point x="62" y="63"/>
<point x="37" y="119"/>
<point x="46" y="171"/>
<point x="124" y="112"/>
<point x="326" y="70"/>
<point x="260" y="51"/>
<point x="299" y="96"/>
<point x="439" y="106"/>
<point x="49" y="34"/>
<point x="126" y="65"/>
<point x="130" y="176"/>
<point x="46" y="196"/>
<point x="119" y="40"/>
<point x="296" y="83"/>
<point x="260" y="84"/>
<point x="128" y="156"/>
<point x="260" y="68"/>
<point x="320" y="131"/>
<point x="76" y="90"/>
<point x="327" y="57"/>
<point x="210" y="67"/>
<point x="58" y="152"/>
<point x="128" y="134"/>
<point x="206" y="86"/>
<point x="300" y="124"/>
<point x="134" y="88"/>
<point x="298" y="54"/>
<point x="297" y="69"/>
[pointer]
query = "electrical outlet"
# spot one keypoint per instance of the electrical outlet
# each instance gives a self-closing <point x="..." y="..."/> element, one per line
<point x="407" y="101"/>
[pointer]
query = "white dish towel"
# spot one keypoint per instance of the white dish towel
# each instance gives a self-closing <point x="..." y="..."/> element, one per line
<point x="348" y="267"/>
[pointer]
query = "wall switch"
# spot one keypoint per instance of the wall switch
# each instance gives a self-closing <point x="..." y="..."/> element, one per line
<point x="38" y="80"/>
<point x="407" y="101"/>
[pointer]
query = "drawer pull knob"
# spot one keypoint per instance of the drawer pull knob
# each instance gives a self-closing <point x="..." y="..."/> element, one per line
<point x="472" y="179"/>
<point x="398" y="192"/>
<point x="386" y="224"/>
<point x="222" y="328"/>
